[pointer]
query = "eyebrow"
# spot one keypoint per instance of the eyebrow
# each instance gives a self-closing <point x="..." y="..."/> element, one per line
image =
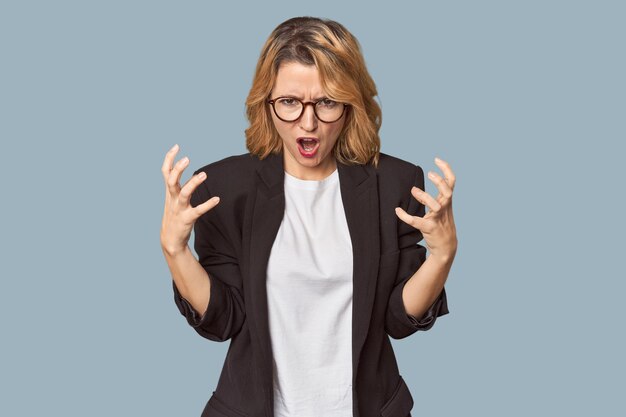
<point x="300" y="97"/>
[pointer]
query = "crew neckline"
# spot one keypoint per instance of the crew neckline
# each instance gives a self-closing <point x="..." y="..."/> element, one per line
<point x="296" y="182"/>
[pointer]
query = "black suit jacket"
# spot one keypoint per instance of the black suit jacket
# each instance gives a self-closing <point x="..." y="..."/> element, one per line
<point x="233" y="243"/>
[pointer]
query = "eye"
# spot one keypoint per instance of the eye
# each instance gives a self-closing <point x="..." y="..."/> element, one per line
<point x="326" y="102"/>
<point x="287" y="101"/>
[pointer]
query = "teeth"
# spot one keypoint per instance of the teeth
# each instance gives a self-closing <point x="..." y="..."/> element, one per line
<point x="308" y="145"/>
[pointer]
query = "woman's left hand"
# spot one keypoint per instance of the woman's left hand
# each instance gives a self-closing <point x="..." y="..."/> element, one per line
<point x="437" y="226"/>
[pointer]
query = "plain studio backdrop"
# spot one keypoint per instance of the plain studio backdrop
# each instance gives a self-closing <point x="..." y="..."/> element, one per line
<point x="525" y="100"/>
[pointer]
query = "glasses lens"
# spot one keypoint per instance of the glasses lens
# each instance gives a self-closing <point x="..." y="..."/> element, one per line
<point x="288" y="108"/>
<point x="329" y="110"/>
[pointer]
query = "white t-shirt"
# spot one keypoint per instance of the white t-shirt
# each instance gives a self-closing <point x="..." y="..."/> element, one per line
<point x="309" y="291"/>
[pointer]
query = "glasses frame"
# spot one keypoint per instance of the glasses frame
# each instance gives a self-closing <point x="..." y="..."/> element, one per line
<point x="304" y="104"/>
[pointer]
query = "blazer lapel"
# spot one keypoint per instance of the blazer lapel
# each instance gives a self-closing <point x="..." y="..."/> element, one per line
<point x="359" y="193"/>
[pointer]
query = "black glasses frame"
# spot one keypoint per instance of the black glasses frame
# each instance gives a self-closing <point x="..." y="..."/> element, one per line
<point x="304" y="104"/>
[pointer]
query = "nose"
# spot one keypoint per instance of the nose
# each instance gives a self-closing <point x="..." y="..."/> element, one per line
<point x="308" y="121"/>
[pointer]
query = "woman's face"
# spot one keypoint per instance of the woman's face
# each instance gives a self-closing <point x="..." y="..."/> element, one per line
<point x="302" y="81"/>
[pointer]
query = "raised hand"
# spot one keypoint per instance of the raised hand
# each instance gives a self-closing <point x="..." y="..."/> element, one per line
<point x="179" y="216"/>
<point x="437" y="226"/>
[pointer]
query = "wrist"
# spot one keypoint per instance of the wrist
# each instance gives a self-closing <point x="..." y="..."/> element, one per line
<point x="442" y="258"/>
<point x="174" y="251"/>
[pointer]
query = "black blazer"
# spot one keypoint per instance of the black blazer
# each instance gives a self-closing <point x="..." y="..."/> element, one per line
<point x="233" y="243"/>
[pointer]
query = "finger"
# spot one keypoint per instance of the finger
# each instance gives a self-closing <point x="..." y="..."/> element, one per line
<point x="425" y="198"/>
<point x="447" y="172"/>
<point x="200" y="209"/>
<point x="190" y="186"/>
<point x="168" y="161"/>
<point x="174" y="178"/>
<point x="444" y="189"/>
<point x="415" y="221"/>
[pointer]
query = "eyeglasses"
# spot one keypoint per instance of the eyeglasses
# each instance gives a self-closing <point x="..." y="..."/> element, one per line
<point x="290" y="109"/>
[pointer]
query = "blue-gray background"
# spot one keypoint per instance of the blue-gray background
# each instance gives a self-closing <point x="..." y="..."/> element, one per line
<point x="526" y="100"/>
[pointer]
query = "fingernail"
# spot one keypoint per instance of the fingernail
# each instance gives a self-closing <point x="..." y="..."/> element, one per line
<point x="175" y="146"/>
<point x="437" y="159"/>
<point x="202" y="175"/>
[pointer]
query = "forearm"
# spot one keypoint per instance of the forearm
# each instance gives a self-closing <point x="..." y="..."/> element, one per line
<point x="423" y="288"/>
<point x="190" y="278"/>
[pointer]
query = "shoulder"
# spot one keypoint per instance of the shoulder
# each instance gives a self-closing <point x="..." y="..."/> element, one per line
<point x="394" y="170"/>
<point x="229" y="165"/>
<point x="231" y="171"/>
<point x="227" y="177"/>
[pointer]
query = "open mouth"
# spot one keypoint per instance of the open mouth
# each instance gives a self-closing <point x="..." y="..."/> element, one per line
<point x="308" y="144"/>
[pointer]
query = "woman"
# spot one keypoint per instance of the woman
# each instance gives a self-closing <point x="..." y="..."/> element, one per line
<point x="306" y="242"/>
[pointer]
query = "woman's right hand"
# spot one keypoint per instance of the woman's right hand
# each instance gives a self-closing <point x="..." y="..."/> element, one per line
<point x="179" y="216"/>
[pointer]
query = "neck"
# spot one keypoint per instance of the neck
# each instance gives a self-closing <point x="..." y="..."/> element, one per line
<point x="316" y="173"/>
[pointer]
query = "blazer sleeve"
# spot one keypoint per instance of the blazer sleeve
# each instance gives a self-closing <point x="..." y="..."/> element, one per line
<point x="225" y="313"/>
<point x="398" y="323"/>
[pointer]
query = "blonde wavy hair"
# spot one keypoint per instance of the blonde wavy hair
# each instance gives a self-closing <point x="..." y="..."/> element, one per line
<point x="337" y="55"/>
